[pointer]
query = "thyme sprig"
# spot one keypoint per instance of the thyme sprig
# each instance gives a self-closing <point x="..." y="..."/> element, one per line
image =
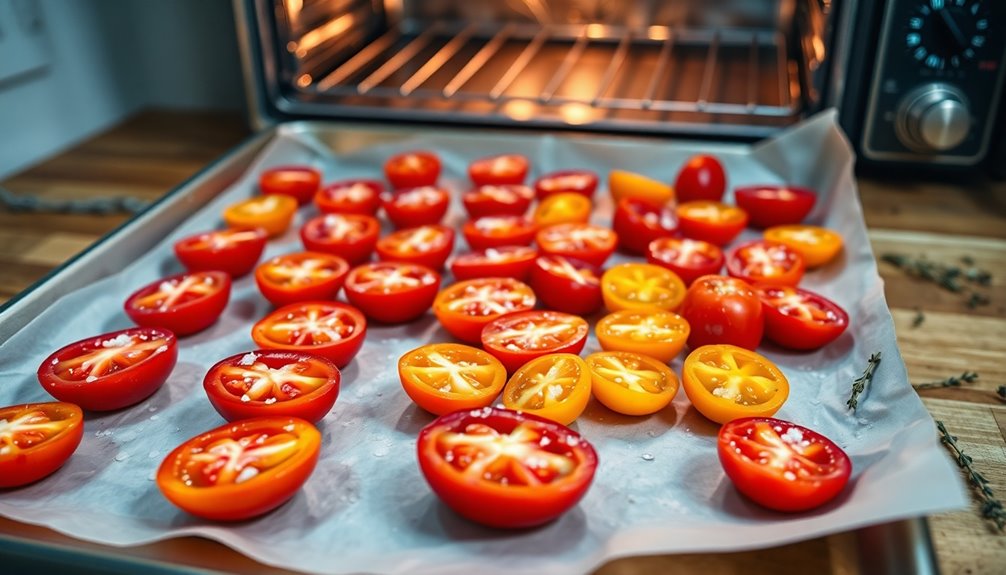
<point x="859" y="385"/>
<point x="918" y="319"/>
<point x="992" y="508"/>
<point x="950" y="277"/>
<point x="966" y="377"/>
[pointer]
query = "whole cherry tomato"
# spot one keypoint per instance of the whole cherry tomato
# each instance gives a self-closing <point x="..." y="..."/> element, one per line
<point x="638" y="222"/>
<point x="761" y="261"/>
<point x="781" y="465"/>
<point x="701" y="178"/>
<point x="800" y="319"/>
<point x="392" y="292"/>
<point x="427" y="246"/>
<point x="234" y="250"/>
<point x="711" y="222"/>
<point x="723" y="310"/>
<point x="298" y="182"/>
<point x="507" y="200"/>
<point x="582" y="182"/>
<point x="273" y="383"/>
<point x="775" y="205"/>
<point x="240" y="470"/>
<point x="554" y="386"/>
<point x="657" y="334"/>
<point x="567" y="284"/>
<point x="350" y="197"/>
<point x="503" y="468"/>
<point x="499" y="170"/>
<point x="351" y="237"/>
<point x="587" y="242"/>
<point x="817" y="245"/>
<point x="332" y="330"/>
<point x="110" y="371"/>
<point x="502" y="262"/>
<point x="724" y="382"/>
<point x="412" y="169"/>
<point x="36" y="439"/>
<point x="412" y="207"/>
<point x="183" y="303"/>
<point x="517" y="338"/>
<point x="446" y="377"/>
<point x="631" y="383"/>
<point x="690" y="259"/>
<point x="465" y="307"/>
<point x="271" y="213"/>
<point x="301" y="276"/>
<point x="499" y="231"/>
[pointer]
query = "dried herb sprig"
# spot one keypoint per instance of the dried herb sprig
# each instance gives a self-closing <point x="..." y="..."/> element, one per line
<point x="949" y="277"/>
<point x="918" y="319"/>
<point x="859" y="385"/>
<point x="992" y="508"/>
<point x="966" y="377"/>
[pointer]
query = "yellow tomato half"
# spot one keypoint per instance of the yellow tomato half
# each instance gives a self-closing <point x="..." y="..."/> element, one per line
<point x="658" y="334"/>
<point x="641" y="286"/>
<point x="725" y="382"/>
<point x="631" y="383"/>
<point x="554" y="386"/>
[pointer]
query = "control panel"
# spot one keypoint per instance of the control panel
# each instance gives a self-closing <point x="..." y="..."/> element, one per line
<point x="938" y="81"/>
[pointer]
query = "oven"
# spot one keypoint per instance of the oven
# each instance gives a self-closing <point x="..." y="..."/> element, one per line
<point x="916" y="82"/>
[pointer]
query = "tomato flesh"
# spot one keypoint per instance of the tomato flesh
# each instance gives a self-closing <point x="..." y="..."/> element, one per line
<point x="445" y="377"/>
<point x="690" y="259"/>
<point x="770" y="206"/>
<point x="330" y="329"/>
<point x="392" y="292"/>
<point x="725" y="382"/>
<point x="761" y="261"/>
<point x="800" y="319"/>
<point x="566" y="284"/>
<point x="36" y="439"/>
<point x="233" y="251"/>
<point x="517" y="338"/>
<point x="183" y="303"/>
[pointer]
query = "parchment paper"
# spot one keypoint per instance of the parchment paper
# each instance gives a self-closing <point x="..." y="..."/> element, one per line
<point x="659" y="487"/>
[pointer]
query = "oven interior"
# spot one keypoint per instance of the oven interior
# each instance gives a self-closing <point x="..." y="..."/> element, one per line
<point x="734" y="68"/>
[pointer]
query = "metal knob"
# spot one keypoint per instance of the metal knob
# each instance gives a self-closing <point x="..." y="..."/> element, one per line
<point x="933" y="118"/>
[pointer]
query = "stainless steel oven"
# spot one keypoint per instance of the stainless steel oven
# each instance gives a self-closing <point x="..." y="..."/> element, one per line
<point x="915" y="81"/>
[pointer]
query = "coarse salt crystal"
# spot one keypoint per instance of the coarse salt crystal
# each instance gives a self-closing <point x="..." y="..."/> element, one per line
<point x="121" y="340"/>
<point x="249" y="358"/>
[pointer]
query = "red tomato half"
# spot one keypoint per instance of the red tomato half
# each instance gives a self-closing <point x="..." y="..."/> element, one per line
<point x="518" y="338"/>
<point x="769" y="206"/>
<point x="512" y="200"/>
<point x="712" y="222"/>
<point x="426" y="246"/>
<point x="761" y="261"/>
<point x="274" y="383"/>
<point x="234" y="250"/>
<point x="464" y="308"/>
<point x="36" y="439"/>
<point x="723" y="310"/>
<point x="498" y="231"/>
<point x="799" y="319"/>
<point x="567" y="284"/>
<point x="498" y="170"/>
<point x="411" y="207"/>
<point x="638" y="222"/>
<point x="110" y="371"/>
<point x="781" y="465"/>
<point x="502" y="262"/>
<point x="690" y="259"/>
<point x="505" y="469"/>
<point x="590" y="243"/>
<point x="332" y="330"/>
<point x="701" y="178"/>
<point x="583" y="182"/>
<point x="299" y="182"/>
<point x="240" y="470"/>
<point x="352" y="237"/>
<point x="183" y="303"/>
<point x="301" y="276"/>
<point x="392" y="292"/>
<point x="350" y="197"/>
<point x="412" y="169"/>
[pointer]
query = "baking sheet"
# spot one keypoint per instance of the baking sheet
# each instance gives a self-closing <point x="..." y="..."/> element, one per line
<point x="659" y="487"/>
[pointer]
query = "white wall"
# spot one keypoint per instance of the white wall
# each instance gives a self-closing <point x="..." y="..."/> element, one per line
<point x="111" y="58"/>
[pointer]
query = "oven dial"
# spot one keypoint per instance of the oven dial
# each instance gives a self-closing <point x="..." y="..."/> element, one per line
<point x="933" y="118"/>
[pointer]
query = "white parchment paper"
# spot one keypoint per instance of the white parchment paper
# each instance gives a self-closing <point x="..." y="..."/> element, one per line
<point x="367" y="507"/>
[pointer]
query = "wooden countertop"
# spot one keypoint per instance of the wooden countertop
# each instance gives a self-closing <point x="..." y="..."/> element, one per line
<point x="154" y="151"/>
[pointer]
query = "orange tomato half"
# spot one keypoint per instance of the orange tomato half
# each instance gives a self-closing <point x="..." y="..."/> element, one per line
<point x="817" y="245"/>
<point x="272" y="213"/>
<point x="658" y="334"/>
<point x="641" y="286"/>
<point x="554" y="386"/>
<point x="630" y="383"/>
<point x="725" y="382"/>
<point x="623" y="184"/>
<point x="446" y="377"/>
<point x="562" y="208"/>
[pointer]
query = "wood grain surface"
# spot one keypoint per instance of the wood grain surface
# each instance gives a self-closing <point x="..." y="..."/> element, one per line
<point x="943" y="221"/>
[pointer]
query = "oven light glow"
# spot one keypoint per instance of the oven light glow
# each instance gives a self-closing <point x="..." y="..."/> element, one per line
<point x="304" y="81"/>
<point x="519" y="110"/>
<point x="658" y="32"/>
<point x="595" y="30"/>
<point x="576" y="113"/>
<point x="323" y="33"/>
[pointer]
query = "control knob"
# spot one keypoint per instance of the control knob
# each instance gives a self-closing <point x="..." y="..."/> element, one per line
<point x="933" y="118"/>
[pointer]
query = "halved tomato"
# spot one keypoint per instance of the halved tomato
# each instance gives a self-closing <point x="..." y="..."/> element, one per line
<point x="274" y="383"/>
<point x="690" y="259"/>
<point x="590" y="243"/>
<point x="761" y="261"/>
<point x="508" y="200"/>
<point x="554" y="386"/>
<point x="350" y="197"/>
<point x="301" y="276"/>
<point x="234" y="251"/>
<point x="412" y="169"/>
<point x="631" y="383"/>
<point x="638" y="222"/>
<point x="713" y="222"/>
<point x="183" y="303"/>
<point x="517" y="338"/>
<point x="658" y="334"/>
<point x="567" y="284"/>
<point x="411" y="207"/>
<point x="446" y="377"/>
<point x="271" y="213"/>
<point x="775" y="205"/>
<point x="641" y="286"/>
<point x="502" y="262"/>
<point x="110" y="371"/>
<point x="800" y="319"/>
<point x="426" y="246"/>
<point x="562" y="208"/>
<point x="498" y="170"/>
<point x="503" y="468"/>
<point x="242" y="469"/>
<point x="817" y="245"/>
<point x="332" y="330"/>
<point x="582" y="182"/>
<point x="723" y="310"/>
<point x="466" y="307"/>
<point x="623" y="184"/>
<point x="352" y="237"/>
<point x="298" y="182"/>
<point x="781" y="465"/>
<point x="499" y="231"/>
<point x="36" y="439"/>
<point x="725" y="382"/>
<point x="701" y="178"/>
<point x="392" y="292"/>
